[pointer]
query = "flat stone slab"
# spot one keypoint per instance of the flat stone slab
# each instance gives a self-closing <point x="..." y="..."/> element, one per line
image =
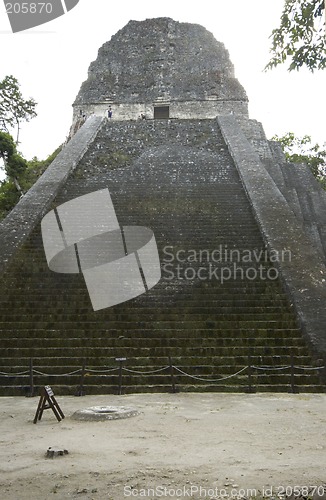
<point x="104" y="413"/>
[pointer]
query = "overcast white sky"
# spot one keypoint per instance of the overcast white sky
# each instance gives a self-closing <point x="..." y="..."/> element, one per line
<point x="51" y="62"/>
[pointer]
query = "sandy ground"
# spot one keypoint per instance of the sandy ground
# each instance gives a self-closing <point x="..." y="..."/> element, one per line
<point x="180" y="446"/>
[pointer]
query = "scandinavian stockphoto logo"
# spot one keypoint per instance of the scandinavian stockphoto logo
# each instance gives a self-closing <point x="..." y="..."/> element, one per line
<point x="28" y="14"/>
<point x="84" y="235"/>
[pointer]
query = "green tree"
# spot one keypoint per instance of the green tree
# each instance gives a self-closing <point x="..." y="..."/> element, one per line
<point x="9" y="197"/>
<point x="300" y="38"/>
<point x="7" y="147"/>
<point x="14" y="109"/>
<point x="9" y="193"/>
<point x="302" y="150"/>
<point x="14" y="164"/>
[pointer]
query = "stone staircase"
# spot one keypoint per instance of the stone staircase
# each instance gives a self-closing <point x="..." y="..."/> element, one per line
<point x="178" y="179"/>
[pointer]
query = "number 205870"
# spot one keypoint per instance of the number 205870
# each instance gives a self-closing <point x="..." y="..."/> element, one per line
<point x="303" y="491"/>
<point x="29" y="8"/>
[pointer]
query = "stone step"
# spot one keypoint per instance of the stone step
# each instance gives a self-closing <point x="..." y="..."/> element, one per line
<point x="158" y="325"/>
<point x="216" y="313"/>
<point x="85" y="351"/>
<point x="151" y="301"/>
<point x="152" y="342"/>
<point x="130" y="379"/>
<point x="226" y="301"/>
<point x="198" y="362"/>
<point x="213" y="336"/>
<point x="153" y="317"/>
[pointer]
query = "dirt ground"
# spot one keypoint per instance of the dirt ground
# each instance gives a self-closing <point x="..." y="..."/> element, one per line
<point x="179" y="446"/>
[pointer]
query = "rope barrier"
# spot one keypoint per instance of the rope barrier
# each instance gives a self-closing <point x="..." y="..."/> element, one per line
<point x="101" y="371"/>
<point x="14" y="374"/>
<point x="57" y="375"/>
<point x="146" y="373"/>
<point x="271" y="368"/>
<point x="210" y="380"/>
<point x="260" y="368"/>
<point x="309" y="368"/>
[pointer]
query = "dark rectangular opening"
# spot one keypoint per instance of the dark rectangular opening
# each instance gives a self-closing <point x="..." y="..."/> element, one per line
<point x="161" y="112"/>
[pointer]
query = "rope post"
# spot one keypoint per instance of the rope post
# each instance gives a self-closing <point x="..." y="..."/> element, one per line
<point x="31" y="379"/>
<point x="294" y="389"/>
<point x="174" y="390"/>
<point x="120" y="360"/>
<point x="322" y="372"/>
<point x="80" y="391"/>
<point x="251" y="389"/>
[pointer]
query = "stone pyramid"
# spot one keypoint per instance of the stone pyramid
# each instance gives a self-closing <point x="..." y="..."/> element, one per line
<point x="241" y="237"/>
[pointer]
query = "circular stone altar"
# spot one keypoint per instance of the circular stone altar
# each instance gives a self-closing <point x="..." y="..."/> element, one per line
<point x="104" y="413"/>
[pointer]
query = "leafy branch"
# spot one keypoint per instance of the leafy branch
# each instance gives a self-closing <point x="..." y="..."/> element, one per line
<point x="300" y="37"/>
